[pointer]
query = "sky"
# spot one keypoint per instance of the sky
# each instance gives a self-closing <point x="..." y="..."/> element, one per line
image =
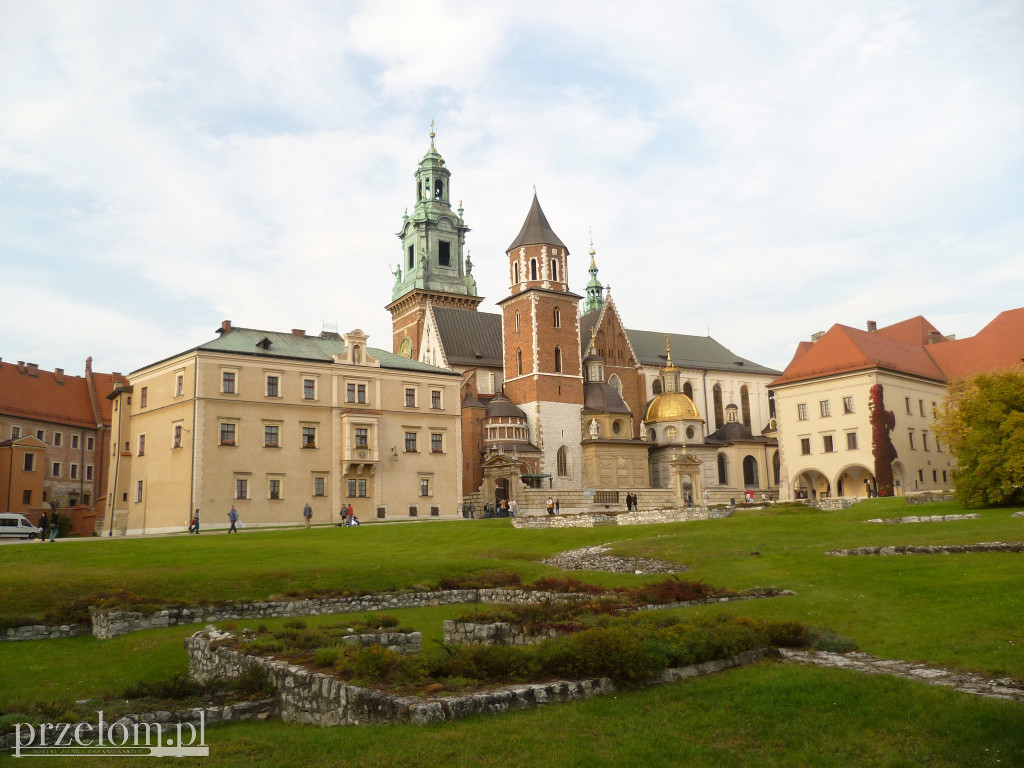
<point x="756" y="170"/>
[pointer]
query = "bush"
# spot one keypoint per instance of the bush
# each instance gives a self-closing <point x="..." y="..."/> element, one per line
<point x="673" y="590"/>
<point x="566" y="584"/>
<point x="385" y="620"/>
<point x="295" y="624"/>
<point x="254" y="682"/>
<point x="824" y="639"/>
<point x="486" y="579"/>
<point x="176" y="687"/>
<point x="326" y="657"/>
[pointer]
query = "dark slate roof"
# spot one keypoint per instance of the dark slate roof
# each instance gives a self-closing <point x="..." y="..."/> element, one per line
<point x="501" y="407"/>
<point x="247" y="341"/>
<point x="599" y="397"/>
<point x="536" y="230"/>
<point x="735" y="432"/>
<point x="690" y="352"/>
<point x="470" y="337"/>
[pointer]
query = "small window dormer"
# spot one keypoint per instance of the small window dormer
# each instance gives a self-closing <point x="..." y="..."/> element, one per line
<point x="264" y="343"/>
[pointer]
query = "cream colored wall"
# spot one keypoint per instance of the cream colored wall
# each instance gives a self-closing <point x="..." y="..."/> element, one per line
<point x="757" y="386"/>
<point x="854" y="462"/>
<point x="166" y="471"/>
<point x="615" y="465"/>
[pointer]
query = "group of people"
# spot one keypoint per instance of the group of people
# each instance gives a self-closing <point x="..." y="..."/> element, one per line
<point x="554" y="506"/>
<point x="49" y="526"/>
<point x="348" y="517"/>
<point x="631" y="501"/>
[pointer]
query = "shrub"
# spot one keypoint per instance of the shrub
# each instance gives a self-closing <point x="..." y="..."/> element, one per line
<point x="616" y="652"/>
<point x="384" y="620"/>
<point x="566" y="584"/>
<point x="295" y="624"/>
<point x="673" y="590"/>
<point x="824" y="639"/>
<point x="326" y="657"/>
<point x="788" y="634"/>
<point x="486" y="579"/>
<point x="175" y="687"/>
<point x="254" y="682"/>
<point x="490" y="662"/>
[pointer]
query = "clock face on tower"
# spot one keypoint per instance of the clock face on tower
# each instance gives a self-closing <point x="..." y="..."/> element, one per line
<point x="405" y="349"/>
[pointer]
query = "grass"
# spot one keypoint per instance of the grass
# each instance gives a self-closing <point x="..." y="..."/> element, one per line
<point x="955" y="610"/>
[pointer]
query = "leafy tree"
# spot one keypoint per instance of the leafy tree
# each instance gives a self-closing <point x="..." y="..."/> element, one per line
<point x="982" y="422"/>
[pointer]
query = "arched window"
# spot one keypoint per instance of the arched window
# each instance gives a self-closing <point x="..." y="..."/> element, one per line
<point x="653" y="435"/>
<point x="519" y="362"/>
<point x="562" y="459"/>
<point x="745" y="405"/>
<point x="515" y="272"/>
<point x="615" y="383"/>
<point x="723" y="475"/>
<point x="656" y="387"/>
<point x="688" y="390"/>
<point x="716" y="395"/>
<point x="776" y="467"/>
<point x="438" y="189"/>
<point x="554" y="269"/>
<point x="558" y="360"/>
<point x="557" y="318"/>
<point x="750" y="472"/>
<point x="517" y="321"/>
<point x="533" y="269"/>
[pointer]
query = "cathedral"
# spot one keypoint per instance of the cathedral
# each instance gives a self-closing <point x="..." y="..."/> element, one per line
<point x="559" y="397"/>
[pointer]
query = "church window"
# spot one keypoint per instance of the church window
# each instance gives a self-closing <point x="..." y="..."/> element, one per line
<point x="557" y="318"/>
<point x="615" y="383"/>
<point x="716" y="394"/>
<point x="554" y="269"/>
<point x="558" y="360"/>
<point x="653" y="434"/>
<point x="533" y="269"/>
<point x="616" y="426"/>
<point x="519" y="362"/>
<point x="562" y="460"/>
<point x="438" y="189"/>
<point x="670" y="434"/>
<point x="656" y="387"/>
<point x="690" y="433"/>
<point x="517" y="321"/>
<point x="723" y="474"/>
<point x="745" y="405"/>
<point x="412" y="262"/>
<point x="688" y="390"/>
<point x="515" y="272"/>
<point x="750" y="472"/>
<point x="444" y="253"/>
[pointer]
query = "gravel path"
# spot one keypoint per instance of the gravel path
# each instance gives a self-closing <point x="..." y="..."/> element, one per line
<point x="595" y="559"/>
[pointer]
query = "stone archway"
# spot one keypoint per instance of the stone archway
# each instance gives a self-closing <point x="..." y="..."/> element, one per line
<point x="855" y="481"/>
<point x="811" y="484"/>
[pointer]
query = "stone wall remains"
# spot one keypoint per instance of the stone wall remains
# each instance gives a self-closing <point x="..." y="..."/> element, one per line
<point x="943" y="549"/>
<point x="925" y="518"/>
<point x="492" y="633"/>
<point x="638" y="517"/>
<point x="44" y="631"/>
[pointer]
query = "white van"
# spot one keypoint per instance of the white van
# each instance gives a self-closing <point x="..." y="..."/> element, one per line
<point x="15" y="526"/>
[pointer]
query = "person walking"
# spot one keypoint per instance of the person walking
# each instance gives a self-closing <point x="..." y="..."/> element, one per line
<point x="194" y="527"/>
<point x="233" y="518"/>
<point x="513" y="508"/>
<point x="558" y="507"/>
<point x="551" y="506"/>
<point x="307" y="512"/>
<point x="54" y="525"/>
<point x="43" y="525"/>
<point x="351" y="515"/>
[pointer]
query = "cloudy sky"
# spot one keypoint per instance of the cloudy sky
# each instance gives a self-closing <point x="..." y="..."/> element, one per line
<point x="762" y="169"/>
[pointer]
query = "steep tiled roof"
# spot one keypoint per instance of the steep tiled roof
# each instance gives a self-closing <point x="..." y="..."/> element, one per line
<point x="249" y="341"/>
<point x="536" y="230"/>
<point x="904" y="348"/>
<point x="32" y="393"/>
<point x="470" y="337"/>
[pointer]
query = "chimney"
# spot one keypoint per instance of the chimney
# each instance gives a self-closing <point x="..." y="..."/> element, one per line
<point x="116" y="375"/>
<point x="21" y="366"/>
<point x="33" y="369"/>
<point x="816" y="335"/>
<point x="951" y="337"/>
<point x="872" y="326"/>
<point x="88" y="365"/>
<point x="225" y="327"/>
<point x="58" y="374"/>
<point x="934" y="337"/>
<point x="298" y="332"/>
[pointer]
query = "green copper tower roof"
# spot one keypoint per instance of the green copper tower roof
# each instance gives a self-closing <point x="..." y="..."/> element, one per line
<point x="595" y="292"/>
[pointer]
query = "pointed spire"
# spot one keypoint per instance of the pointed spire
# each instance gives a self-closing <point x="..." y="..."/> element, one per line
<point x="595" y="293"/>
<point x="432" y="134"/>
<point x="536" y="230"/>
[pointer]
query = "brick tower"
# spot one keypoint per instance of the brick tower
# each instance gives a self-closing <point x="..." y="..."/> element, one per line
<point x="540" y="328"/>
<point x="432" y="270"/>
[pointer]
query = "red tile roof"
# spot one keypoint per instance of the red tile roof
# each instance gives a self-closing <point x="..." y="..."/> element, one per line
<point x="32" y="393"/>
<point x="904" y="347"/>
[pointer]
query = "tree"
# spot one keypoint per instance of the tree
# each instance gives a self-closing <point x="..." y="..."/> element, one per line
<point x="882" y="449"/>
<point x="982" y="422"/>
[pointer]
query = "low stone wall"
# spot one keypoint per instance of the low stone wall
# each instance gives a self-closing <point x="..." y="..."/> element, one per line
<point x="492" y="633"/>
<point x="924" y="519"/>
<point x="638" y="517"/>
<point x="943" y="549"/>
<point x="400" y="642"/>
<point x="44" y="632"/>
<point x="314" y="697"/>
<point x="107" y="624"/>
<point x="928" y="497"/>
<point x="831" y="504"/>
<point x="1018" y="514"/>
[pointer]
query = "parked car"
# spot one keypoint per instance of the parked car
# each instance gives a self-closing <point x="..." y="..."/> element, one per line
<point x="15" y="526"/>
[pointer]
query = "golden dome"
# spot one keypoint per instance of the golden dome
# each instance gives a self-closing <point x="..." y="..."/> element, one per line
<point x="671" y="406"/>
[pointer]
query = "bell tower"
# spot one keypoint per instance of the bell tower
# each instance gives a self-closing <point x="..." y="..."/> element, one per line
<point x="432" y="269"/>
<point x="540" y="329"/>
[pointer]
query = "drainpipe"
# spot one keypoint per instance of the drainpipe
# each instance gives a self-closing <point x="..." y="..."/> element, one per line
<point x="192" y="470"/>
<point x="81" y="464"/>
<point x="117" y="467"/>
<point x="10" y="479"/>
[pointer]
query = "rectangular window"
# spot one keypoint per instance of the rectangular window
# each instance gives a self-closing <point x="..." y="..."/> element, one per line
<point x="906" y="401"/>
<point x="142" y="445"/>
<point x="350" y="393"/>
<point x="179" y="385"/>
<point x="938" y="445"/>
<point x="943" y="475"/>
<point x="55" y="469"/>
<point x="414" y="511"/>
<point x="436" y="443"/>
<point x="361" y="437"/>
<point x="920" y="474"/>
<point x="851" y="441"/>
<point x="801" y="411"/>
<point x="274" y="488"/>
<point x="74" y="442"/>
<point x="227" y="433"/>
<point x="410" y="397"/>
<point x="41" y="434"/>
<point x="30" y="462"/>
<point x="241" y="488"/>
<point x="827" y="441"/>
<point x="58" y="438"/>
<point x="177" y="436"/>
<point x="272" y="386"/>
<point x="920" y="405"/>
<point x="85" y="499"/>
<point x="424" y="486"/>
<point x="805" y="446"/>
<point x="144" y="397"/>
<point x="924" y="440"/>
<point x="227" y="382"/>
<point x="826" y="409"/>
<point x="73" y="472"/>
<point x="309" y="389"/>
<point x="319" y="487"/>
<point x="88" y="471"/>
<point x="138" y="490"/>
<point x="435" y="398"/>
<point x="361" y="393"/>
<point x="16" y="433"/>
<point x="357" y="488"/>
<point x="351" y="488"/>
<point x="26" y="497"/>
<point x="90" y="443"/>
<point x="910" y="436"/>
<point x="410" y="442"/>
<point x="935" y="476"/>
<point x="847" y="405"/>
<point x="309" y="437"/>
<point x="444" y="253"/>
<point x="270" y="435"/>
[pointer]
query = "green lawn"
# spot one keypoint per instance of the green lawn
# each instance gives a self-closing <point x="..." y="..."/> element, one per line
<point x="949" y="610"/>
